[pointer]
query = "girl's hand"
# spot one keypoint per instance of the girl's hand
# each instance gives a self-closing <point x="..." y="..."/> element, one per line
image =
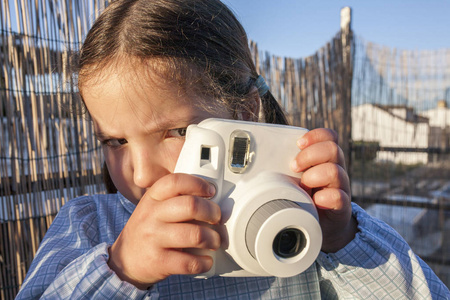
<point x="173" y="214"/>
<point x="325" y="178"/>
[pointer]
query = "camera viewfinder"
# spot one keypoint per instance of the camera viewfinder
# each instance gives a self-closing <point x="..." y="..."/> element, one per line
<point x="205" y="153"/>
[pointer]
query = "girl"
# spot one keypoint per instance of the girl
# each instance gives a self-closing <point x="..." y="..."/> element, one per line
<point x="148" y="69"/>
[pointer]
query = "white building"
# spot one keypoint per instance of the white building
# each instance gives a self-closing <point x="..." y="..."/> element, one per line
<point x="439" y="126"/>
<point x="392" y="127"/>
<point x="439" y="116"/>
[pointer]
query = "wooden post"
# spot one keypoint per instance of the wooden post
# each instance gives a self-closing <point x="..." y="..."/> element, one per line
<point x="345" y="133"/>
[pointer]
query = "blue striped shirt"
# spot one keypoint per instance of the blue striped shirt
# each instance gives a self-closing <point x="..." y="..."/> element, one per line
<point x="72" y="263"/>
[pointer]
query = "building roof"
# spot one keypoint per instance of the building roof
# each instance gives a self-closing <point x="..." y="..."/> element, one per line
<point x="414" y="118"/>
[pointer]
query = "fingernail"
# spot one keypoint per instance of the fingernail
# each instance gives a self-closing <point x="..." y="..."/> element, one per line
<point x="212" y="189"/>
<point x="301" y="142"/>
<point x="294" y="166"/>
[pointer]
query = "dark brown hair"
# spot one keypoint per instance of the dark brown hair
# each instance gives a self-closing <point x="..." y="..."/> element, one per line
<point x="198" y="43"/>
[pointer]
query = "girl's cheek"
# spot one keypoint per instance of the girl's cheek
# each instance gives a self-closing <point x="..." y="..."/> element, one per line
<point x="109" y="158"/>
<point x="117" y="163"/>
<point x="173" y="152"/>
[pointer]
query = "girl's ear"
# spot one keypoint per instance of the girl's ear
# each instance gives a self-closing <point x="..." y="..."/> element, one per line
<point x="250" y="111"/>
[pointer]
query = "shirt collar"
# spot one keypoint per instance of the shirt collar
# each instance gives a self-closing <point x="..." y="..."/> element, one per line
<point x="127" y="204"/>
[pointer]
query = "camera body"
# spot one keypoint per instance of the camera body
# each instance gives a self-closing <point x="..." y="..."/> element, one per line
<point x="270" y="226"/>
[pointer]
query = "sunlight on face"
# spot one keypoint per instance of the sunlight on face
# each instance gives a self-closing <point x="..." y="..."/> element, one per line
<point x="141" y="122"/>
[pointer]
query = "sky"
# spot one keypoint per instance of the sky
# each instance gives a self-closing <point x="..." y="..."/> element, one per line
<point x="297" y="28"/>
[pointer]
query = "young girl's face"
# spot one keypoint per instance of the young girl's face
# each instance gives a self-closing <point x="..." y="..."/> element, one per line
<point x="141" y="122"/>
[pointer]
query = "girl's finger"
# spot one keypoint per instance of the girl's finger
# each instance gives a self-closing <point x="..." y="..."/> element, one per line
<point x="179" y="262"/>
<point x="317" y="135"/>
<point x="327" y="175"/>
<point x="188" y="235"/>
<point x="318" y="153"/>
<point x="176" y="184"/>
<point x="187" y="208"/>
<point x="332" y="199"/>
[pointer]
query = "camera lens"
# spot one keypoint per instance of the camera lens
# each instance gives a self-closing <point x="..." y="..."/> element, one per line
<point x="289" y="242"/>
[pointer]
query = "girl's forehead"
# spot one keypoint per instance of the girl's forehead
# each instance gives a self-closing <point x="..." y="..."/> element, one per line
<point x="123" y="92"/>
<point x="121" y="97"/>
<point x="140" y="76"/>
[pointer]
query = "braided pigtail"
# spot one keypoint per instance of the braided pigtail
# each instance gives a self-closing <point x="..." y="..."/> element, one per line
<point x="272" y="111"/>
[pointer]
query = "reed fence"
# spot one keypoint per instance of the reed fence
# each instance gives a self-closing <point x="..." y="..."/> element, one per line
<point x="48" y="154"/>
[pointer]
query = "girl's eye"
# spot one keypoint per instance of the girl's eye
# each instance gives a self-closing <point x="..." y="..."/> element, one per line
<point x="114" y="143"/>
<point x="177" y="132"/>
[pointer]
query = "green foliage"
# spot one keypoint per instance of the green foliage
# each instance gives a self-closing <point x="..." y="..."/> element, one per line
<point x="373" y="170"/>
<point x="364" y="150"/>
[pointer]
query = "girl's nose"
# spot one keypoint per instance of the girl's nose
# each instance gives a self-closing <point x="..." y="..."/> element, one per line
<point x="148" y="168"/>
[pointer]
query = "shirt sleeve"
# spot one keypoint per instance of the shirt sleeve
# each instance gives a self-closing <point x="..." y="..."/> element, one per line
<point x="71" y="262"/>
<point x="377" y="262"/>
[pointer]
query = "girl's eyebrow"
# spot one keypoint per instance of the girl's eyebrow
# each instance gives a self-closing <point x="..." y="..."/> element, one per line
<point x="171" y="124"/>
<point x="98" y="133"/>
<point x="101" y="135"/>
<point x="161" y="126"/>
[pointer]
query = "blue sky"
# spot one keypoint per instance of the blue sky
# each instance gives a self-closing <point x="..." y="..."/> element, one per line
<point x="297" y="28"/>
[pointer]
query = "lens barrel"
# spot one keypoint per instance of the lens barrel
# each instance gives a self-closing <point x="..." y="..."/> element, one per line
<point x="288" y="242"/>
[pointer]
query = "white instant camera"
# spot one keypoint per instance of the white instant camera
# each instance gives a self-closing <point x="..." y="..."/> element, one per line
<point x="271" y="226"/>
